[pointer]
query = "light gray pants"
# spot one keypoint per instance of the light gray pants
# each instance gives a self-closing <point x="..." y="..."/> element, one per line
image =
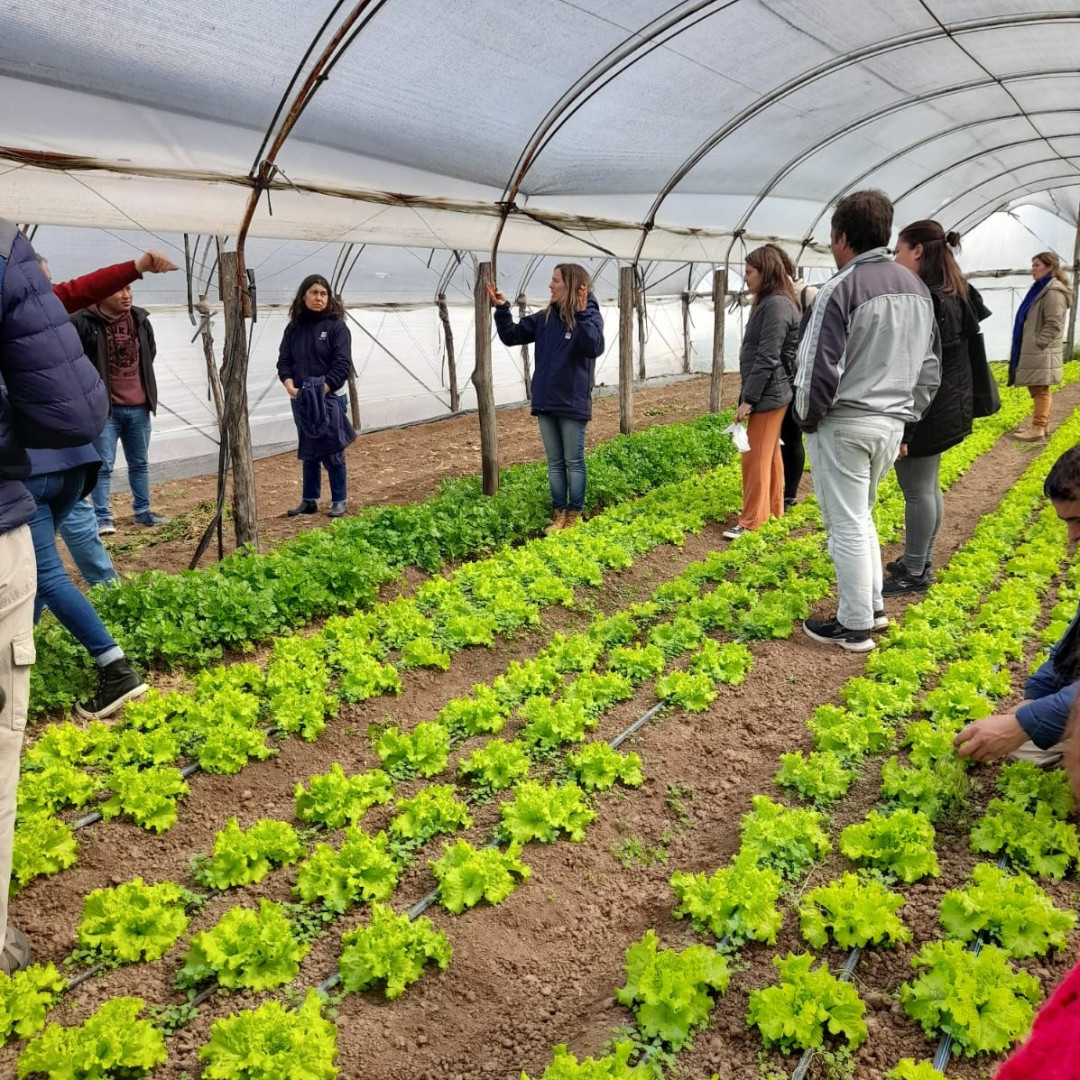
<point x="18" y="584"/>
<point x="923" y="508"/>
<point x="848" y="458"/>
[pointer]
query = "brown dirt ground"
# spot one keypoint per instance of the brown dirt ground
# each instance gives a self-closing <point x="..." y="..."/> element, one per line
<point x="395" y="466"/>
<point x="542" y="967"/>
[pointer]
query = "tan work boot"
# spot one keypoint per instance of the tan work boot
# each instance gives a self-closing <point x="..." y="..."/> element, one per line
<point x="558" y="521"/>
<point x="571" y="519"/>
<point x="1032" y="434"/>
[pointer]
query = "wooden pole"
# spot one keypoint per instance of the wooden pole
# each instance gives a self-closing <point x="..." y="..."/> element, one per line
<point x="626" y="349"/>
<point x="639" y="303"/>
<point x="525" y="352"/>
<point x="213" y="376"/>
<point x="451" y="359"/>
<point x="686" y="332"/>
<point x="234" y="384"/>
<point x="485" y="389"/>
<point x="1070" y="345"/>
<point x="719" y="298"/>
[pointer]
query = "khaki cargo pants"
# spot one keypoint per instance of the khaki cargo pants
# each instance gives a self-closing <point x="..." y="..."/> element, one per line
<point x="18" y="584"/>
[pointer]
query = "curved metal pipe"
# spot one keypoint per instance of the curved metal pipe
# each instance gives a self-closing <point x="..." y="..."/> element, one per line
<point x="998" y="176"/>
<point x="1048" y="183"/>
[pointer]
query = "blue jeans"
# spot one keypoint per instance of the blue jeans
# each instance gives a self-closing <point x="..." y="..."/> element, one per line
<point x="564" y="448"/>
<point x="79" y="532"/>
<point x="130" y="425"/>
<point x="311" y="471"/>
<point x="55" y="494"/>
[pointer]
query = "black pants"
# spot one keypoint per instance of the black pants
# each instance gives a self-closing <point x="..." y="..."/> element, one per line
<point x="792" y="453"/>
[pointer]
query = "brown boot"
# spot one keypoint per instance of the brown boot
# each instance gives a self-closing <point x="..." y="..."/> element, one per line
<point x="558" y="521"/>
<point x="1032" y="434"/>
<point x="571" y="519"/>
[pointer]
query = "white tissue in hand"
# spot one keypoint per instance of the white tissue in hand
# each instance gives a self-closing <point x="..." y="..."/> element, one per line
<point x="740" y="437"/>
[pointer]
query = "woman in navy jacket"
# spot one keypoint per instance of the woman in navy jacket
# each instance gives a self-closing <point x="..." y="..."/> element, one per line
<point x="569" y="336"/>
<point x="317" y="345"/>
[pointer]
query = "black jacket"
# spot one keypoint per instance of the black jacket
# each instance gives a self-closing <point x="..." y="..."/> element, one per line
<point x="94" y="339"/>
<point x="315" y="346"/>
<point x="947" y="420"/>
<point x="768" y="353"/>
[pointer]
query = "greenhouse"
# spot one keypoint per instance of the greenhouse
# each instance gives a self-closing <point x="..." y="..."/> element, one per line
<point x="473" y="783"/>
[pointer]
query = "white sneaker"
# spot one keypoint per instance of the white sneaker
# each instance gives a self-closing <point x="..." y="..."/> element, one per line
<point x="734" y="532"/>
<point x="881" y="620"/>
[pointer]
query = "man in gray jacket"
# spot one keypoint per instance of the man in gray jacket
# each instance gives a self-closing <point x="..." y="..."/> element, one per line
<point x="869" y="362"/>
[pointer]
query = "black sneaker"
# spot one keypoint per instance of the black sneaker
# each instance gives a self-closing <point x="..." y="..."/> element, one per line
<point x="15" y="954"/>
<point x="881" y="620"/>
<point x="899" y="581"/>
<point x="117" y="682"/>
<point x="832" y="632"/>
<point x="307" y="506"/>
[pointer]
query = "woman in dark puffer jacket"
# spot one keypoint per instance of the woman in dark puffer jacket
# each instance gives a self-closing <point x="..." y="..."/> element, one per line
<point x="925" y="250"/>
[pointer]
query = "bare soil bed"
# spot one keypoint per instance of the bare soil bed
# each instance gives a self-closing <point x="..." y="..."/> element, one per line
<point x="542" y="967"/>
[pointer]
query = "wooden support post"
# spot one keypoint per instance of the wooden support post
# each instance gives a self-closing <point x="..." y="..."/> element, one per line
<point x="213" y="376"/>
<point x="639" y="304"/>
<point x="686" y="332"/>
<point x="485" y="389"/>
<point x="719" y="297"/>
<point x="526" y="372"/>
<point x="626" y="349"/>
<point x="1070" y="344"/>
<point x="234" y="384"/>
<point x="451" y="359"/>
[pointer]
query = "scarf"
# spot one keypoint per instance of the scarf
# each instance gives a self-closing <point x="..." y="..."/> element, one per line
<point x="1033" y="294"/>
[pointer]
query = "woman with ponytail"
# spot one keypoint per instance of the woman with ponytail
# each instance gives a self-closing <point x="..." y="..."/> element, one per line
<point x="925" y="249"/>
<point x="1036" y="357"/>
<point x="569" y="336"/>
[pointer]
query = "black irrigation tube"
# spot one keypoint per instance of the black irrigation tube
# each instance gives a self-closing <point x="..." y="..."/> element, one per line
<point x="844" y="976"/>
<point x="426" y="901"/>
<point x="95" y="815"/>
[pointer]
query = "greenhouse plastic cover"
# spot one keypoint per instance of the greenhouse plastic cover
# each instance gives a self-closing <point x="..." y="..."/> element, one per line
<point x="636" y="128"/>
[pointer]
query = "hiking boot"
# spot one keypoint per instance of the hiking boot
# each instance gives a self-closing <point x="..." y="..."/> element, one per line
<point x="106" y="528"/>
<point x="1033" y="434"/>
<point x="833" y="632"/>
<point x="117" y="682"/>
<point x="735" y="532"/>
<point x="899" y="580"/>
<point x="16" y="953"/>
<point x="150" y="519"/>
<point x="337" y="510"/>
<point x="881" y="620"/>
<point x="307" y="506"/>
<point x="558" y="521"/>
<point x="571" y="519"/>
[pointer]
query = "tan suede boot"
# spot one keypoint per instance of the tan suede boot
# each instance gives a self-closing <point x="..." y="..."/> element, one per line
<point x="1032" y="434"/>
<point x="558" y="521"/>
<point x="572" y="518"/>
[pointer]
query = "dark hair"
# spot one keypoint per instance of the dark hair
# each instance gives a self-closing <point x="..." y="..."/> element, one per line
<point x="865" y="219"/>
<point x="785" y="258"/>
<point x="1062" y="482"/>
<point x="769" y="263"/>
<point x="937" y="267"/>
<point x="334" y="308"/>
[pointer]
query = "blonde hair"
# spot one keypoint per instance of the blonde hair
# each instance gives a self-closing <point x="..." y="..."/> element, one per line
<point x="574" y="276"/>
<point x="1048" y="258"/>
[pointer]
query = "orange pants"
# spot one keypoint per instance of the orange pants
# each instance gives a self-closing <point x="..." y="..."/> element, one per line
<point x="1040" y="401"/>
<point x="762" y="470"/>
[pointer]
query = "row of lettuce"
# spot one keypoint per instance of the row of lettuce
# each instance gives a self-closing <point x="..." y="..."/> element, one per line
<point x="461" y="863"/>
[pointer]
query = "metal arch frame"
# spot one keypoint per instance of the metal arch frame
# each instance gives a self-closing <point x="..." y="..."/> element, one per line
<point x="639" y="44"/>
<point x="881" y="163"/>
<point x="822" y="71"/>
<point x="961" y="195"/>
<point x="995" y="150"/>
<point x="1003" y="200"/>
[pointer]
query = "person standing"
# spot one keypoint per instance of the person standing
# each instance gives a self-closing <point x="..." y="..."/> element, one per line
<point x="1036" y="357"/>
<point x="868" y="363"/>
<point x="317" y="346"/>
<point x="924" y="248"/>
<point x="766" y="367"/>
<point x="51" y="397"/>
<point x="569" y="336"/>
<point x="79" y="529"/>
<point x="118" y="338"/>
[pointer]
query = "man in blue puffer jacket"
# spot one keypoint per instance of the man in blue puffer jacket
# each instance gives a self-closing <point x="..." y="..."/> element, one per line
<point x="52" y="398"/>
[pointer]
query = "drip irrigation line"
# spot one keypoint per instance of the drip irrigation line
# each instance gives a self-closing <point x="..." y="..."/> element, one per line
<point x="83" y="976"/>
<point x="844" y="976"/>
<point x="426" y="901"/>
<point x="95" y="815"/>
<point x="944" y="1049"/>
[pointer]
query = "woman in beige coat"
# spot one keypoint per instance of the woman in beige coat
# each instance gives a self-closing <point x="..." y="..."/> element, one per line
<point x="1036" y="360"/>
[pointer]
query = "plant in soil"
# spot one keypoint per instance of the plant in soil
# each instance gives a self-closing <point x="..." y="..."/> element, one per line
<point x="854" y="912"/>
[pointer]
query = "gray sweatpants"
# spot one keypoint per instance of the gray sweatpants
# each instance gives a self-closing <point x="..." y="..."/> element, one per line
<point x="923" y="508"/>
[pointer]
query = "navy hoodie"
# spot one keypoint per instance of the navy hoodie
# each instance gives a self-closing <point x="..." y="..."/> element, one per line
<point x="315" y="346"/>
<point x="565" y="360"/>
